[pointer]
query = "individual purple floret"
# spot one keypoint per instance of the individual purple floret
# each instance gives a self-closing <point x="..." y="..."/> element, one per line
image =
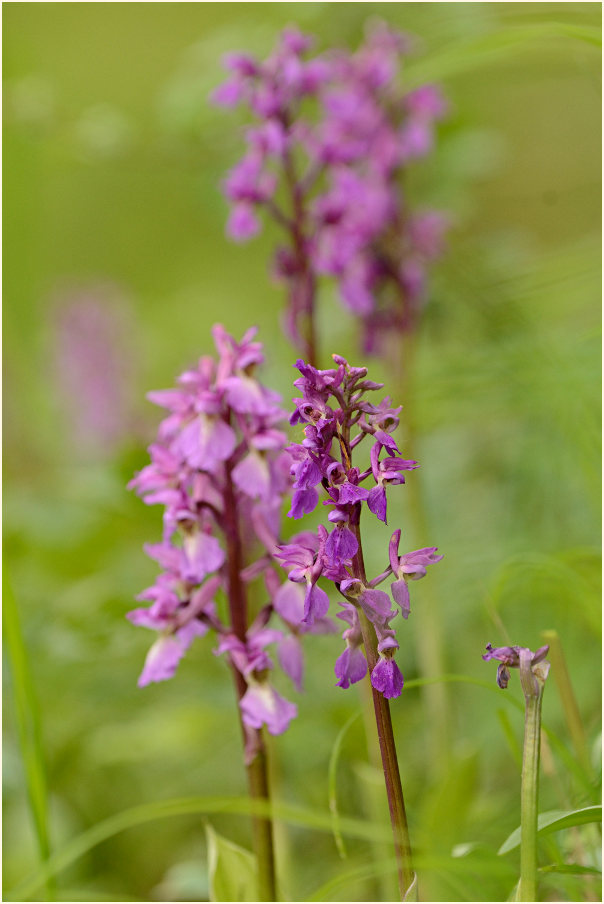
<point x="220" y="469"/>
<point x="332" y="138"/>
<point x="533" y="666"/>
<point x="337" y="418"/>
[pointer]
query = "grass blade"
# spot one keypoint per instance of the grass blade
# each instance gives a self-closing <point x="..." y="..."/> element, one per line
<point x="466" y="56"/>
<point x="127" y="819"/>
<point x="555" y="821"/>
<point x="28" y="723"/>
<point x="332" y="775"/>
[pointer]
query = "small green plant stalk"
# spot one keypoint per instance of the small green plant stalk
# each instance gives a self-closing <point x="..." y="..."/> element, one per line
<point x="533" y="669"/>
<point x="532" y="685"/>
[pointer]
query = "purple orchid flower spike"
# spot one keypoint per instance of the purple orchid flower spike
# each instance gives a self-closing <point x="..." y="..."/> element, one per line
<point x="337" y="418"/>
<point x="221" y="470"/>
<point x="332" y="403"/>
<point x="217" y="464"/>
<point x="332" y="181"/>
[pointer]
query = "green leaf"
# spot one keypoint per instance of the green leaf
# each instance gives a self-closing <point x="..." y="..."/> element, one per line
<point x="555" y="821"/>
<point x="501" y="45"/>
<point x="232" y="870"/>
<point x="28" y="720"/>
<point x="572" y="869"/>
<point x="485" y="864"/>
<point x="515" y="749"/>
<point x="332" y="785"/>
<point x="162" y="809"/>
<point x="327" y="891"/>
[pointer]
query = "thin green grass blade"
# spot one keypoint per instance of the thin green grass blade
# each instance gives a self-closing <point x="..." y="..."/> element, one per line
<point x="321" y="822"/>
<point x="358" y="874"/>
<point x="555" y="821"/>
<point x="570" y="869"/>
<point x="127" y="819"/>
<point x="332" y="775"/>
<point x="475" y="53"/>
<point x="508" y="731"/>
<point x="89" y="894"/>
<point x="448" y="866"/>
<point x="28" y="722"/>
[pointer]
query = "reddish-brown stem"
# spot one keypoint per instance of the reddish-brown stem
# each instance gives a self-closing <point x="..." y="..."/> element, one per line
<point x="304" y="283"/>
<point x="392" y="778"/>
<point x="256" y="760"/>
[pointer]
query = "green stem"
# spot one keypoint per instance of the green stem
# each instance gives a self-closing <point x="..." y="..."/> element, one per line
<point x="256" y="759"/>
<point x="529" y="794"/>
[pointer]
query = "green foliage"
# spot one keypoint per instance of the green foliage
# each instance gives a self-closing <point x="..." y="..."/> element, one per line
<point x="555" y="821"/>
<point x="113" y="164"/>
<point x="28" y="719"/>
<point x="332" y="775"/>
<point x="232" y="870"/>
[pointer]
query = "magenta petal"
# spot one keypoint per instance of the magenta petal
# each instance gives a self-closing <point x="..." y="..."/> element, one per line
<point x="247" y="396"/>
<point x="377" y="502"/>
<point x="387" y="678"/>
<point x="393" y="550"/>
<point x="289" y="602"/>
<point x="162" y="659"/>
<point x="316" y="604"/>
<point x="205" y="442"/>
<point x="308" y="474"/>
<point x="350" y="493"/>
<point x="303" y="502"/>
<point x="188" y="632"/>
<point x="400" y="593"/>
<point x="146" y="619"/>
<point x="375" y="604"/>
<point x="341" y="545"/>
<point x="169" y="557"/>
<point x="425" y="556"/>
<point x="350" y="667"/>
<point x="203" y="554"/>
<point x="291" y="659"/>
<point x="228" y="94"/>
<point x="243" y="223"/>
<point x="252" y="476"/>
<point x="262" y="705"/>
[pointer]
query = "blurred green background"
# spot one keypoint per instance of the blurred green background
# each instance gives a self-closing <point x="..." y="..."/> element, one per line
<point x="112" y="164"/>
